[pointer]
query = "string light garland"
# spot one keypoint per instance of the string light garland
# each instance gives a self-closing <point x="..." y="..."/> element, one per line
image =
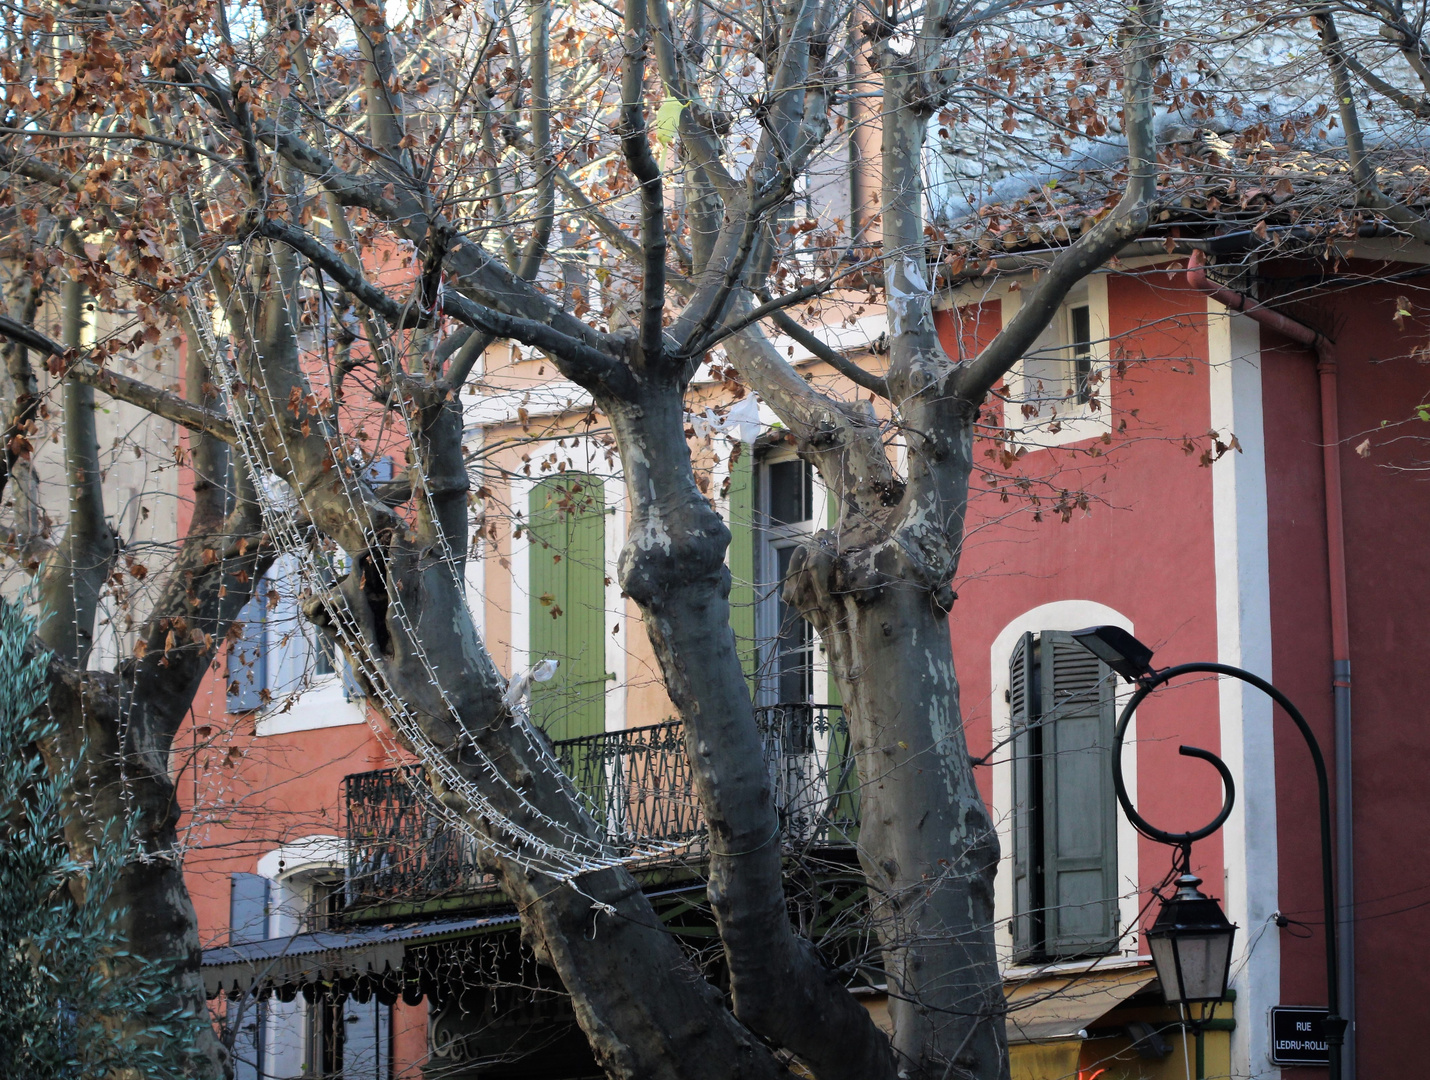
<point x="503" y="837"/>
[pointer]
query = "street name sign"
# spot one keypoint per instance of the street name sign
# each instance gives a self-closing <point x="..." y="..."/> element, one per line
<point x="1298" y="1036"/>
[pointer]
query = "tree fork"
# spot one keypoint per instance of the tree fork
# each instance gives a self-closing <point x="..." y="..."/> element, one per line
<point x="636" y="997"/>
<point x="927" y="844"/>
<point x="673" y="567"/>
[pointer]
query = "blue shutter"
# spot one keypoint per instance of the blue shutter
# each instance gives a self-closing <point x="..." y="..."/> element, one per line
<point x="1079" y="821"/>
<point x="367" y="1039"/>
<point x="247" y="921"/>
<point x="248" y="1015"/>
<point x="247" y="666"/>
<point x="379" y="471"/>
<point x="247" y="908"/>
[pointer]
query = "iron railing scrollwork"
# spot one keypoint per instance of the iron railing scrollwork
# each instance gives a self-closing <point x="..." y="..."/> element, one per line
<point x="396" y="849"/>
<point x="635" y="783"/>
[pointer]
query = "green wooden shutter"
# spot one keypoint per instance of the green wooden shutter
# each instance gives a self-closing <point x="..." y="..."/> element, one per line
<point x="1022" y="715"/>
<point x="740" y="500"/>
<point x="567" y="527"/>
<point x="1080" y="827"/>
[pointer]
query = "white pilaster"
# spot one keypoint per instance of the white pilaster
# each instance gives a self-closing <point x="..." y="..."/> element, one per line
<point x="1243" y="606"/>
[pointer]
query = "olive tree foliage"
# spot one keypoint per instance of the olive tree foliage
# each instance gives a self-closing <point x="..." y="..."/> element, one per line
<point x="77" y="1003"/>
<point x="358" y="205"/>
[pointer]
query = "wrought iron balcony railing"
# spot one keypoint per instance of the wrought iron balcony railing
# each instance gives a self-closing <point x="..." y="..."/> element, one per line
<point x="397" y="849"/>
<point x="636" y="783"/>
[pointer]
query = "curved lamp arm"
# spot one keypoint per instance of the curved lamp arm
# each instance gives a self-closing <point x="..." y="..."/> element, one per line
<point x="1145" y="686"/>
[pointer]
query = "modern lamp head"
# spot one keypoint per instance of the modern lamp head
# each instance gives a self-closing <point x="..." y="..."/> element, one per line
<point x="1191" y="946"/>
<point x="1118" y="649"/>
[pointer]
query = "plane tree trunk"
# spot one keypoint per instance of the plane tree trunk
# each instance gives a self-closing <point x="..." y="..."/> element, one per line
<point x="878" y="588"/>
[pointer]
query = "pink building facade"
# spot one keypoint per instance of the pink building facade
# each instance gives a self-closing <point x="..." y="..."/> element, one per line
<point x="1209" y="552"/>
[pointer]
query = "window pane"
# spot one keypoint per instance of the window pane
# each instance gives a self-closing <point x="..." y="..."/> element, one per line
<point x="791" y="492"/>
<point x="325" y="665"/>
<point x="1080" y="327"/>
<point x="328" y="900"/>
<point x="1046" y="381"/>
<point x="1080" y="332"/>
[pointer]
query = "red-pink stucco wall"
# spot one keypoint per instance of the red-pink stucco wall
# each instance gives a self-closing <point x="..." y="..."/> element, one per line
<point x="1386" y="519"/>
<point x="1144" y="547"/>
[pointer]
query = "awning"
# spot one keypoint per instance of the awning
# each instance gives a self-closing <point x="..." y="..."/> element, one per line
<point x="1057" y="1007"/>
<point x="325" y="956"/>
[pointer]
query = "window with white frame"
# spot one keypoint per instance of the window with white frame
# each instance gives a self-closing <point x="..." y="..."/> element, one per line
<point x="278" y="657"/>
<point x="785" y="516"/>
<point x="278" y="664"/>
<point x="1057" y="392"/>
<point x="332" y="1036"/>
<point x="1057" y="372"/>
<point x="346" y="1039"/>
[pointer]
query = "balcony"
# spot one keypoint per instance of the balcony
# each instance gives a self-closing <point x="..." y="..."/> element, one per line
<point x="636" y="783"/>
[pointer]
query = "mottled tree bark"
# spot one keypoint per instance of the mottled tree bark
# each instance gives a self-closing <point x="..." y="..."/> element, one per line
<point x="22" y="403"/>
<point x="878" y="586"/>
<point x="674" y="567"/>
<point x="121" y="725"/>
<point x="645" y="1010"/>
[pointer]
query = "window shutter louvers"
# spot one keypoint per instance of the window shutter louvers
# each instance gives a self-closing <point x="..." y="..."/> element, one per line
<point x="1021" y="714"/>
<point x="247" y="664"/>
<point x="1079" y="819"/>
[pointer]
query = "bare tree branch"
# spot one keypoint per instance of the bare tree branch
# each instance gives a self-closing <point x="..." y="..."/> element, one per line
<point x="74" y="573"/>
<point x="636" y="146"/>
<point x="1363" y="171"/>
<point x="123" y="388"/>
<point x="875" y="384"/>
<point x="1124" y="223"/>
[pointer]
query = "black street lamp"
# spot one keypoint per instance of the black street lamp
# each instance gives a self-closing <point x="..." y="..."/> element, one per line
<point x="1191" y="940"/>
<point x="1191" y="946"/>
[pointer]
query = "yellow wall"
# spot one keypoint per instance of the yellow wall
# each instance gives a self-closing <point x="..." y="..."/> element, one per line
<point x="1111" y="1058"/>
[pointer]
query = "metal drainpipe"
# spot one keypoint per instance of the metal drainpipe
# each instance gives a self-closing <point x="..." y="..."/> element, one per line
<point x="1325" y="351"/>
